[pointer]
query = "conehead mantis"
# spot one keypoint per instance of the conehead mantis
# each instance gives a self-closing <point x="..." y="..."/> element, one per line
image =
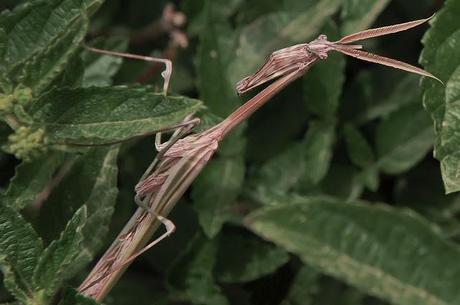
<point x="181" y="159"/>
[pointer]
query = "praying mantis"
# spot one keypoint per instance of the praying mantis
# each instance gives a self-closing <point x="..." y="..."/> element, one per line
<point x="184" y="155"/>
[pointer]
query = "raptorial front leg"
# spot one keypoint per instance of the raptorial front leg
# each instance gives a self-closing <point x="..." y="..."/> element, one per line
<point x="180" y="131"/>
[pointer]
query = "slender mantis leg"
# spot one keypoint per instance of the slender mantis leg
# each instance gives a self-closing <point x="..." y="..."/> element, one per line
<point x="166" y="74"/>
<point x="181" y="130"/>
<point x="162" y="148"/>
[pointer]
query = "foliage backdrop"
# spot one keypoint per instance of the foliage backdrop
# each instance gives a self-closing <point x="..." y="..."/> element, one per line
<point x="329" y="194"/>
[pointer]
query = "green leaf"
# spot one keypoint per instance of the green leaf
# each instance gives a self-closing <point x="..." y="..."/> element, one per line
<point x="361" y="155"/>
<point x="91" y="180"/>
<point x="12" y="282"/>
<point x="100" y="69"/>
<point x="19" y="244"/>
<point x="104" y="115"/>
<point x="440" y="57"/>
<point x="255" y="258"/>
<point x="43" y="68"/>
<point x="304" y="287"/>
<point x="33" y="26"/>
<point x="369" y="177"/>
<point x="322" y="84"/>
<point x="318" y="143"/>
<point x="359" y="150"/>
<point x="403" y="139"/>
<point x="297" y="22"/>
<point x="31" y="178"/>
<point x="358" y="15"/>
<point x="57" y="259"/>
<point x="350" y="186"/>
<point x="191" y="275"/>
<point x="215" y="191"/>
<point x="390" y="253"/>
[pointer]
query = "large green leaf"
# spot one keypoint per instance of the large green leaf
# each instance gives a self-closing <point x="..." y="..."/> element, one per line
<point x="103" y="115"/>
<point x="390" y="253"/>
<point x="43" y="68"/>
<point x="215" y="191"/>
<point x="440" y="57"/>
<point x="57" y="259"/>
<point x="403" y="139"/>
<point x="31" y="178"/>
<point x="33" y="26"/>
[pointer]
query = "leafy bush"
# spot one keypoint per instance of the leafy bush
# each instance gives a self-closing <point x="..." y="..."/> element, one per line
<point x="328" y="195"/>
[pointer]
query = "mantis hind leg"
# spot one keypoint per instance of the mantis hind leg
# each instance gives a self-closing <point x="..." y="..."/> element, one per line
<point x="169" y="225"/>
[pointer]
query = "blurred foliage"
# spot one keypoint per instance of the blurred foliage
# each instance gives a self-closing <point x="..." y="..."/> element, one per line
<point x="329" y="194"/>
